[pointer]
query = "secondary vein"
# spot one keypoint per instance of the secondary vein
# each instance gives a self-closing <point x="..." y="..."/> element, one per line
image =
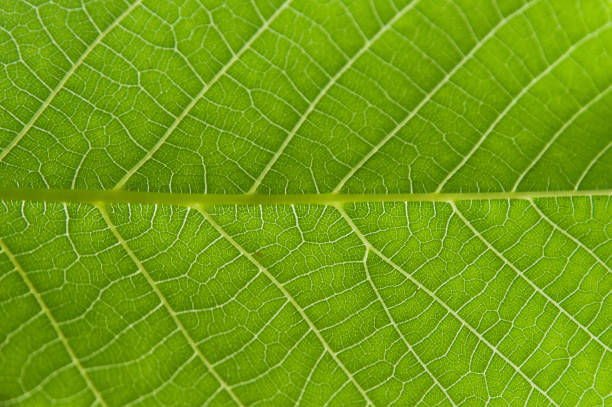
<point x="166" y="304"/>
<point x="96" y="392"/>
<point x="290" y="298"/>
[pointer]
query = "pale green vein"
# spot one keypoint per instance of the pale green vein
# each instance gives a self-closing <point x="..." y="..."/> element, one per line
<point x="53" y="322"/>
<point x="397" y="330"/>
<point x="65" y="79"/>
<point x="286" y="293"/>
<point x="523" y="91"/>
<point x="366" y="46"/>
<point x="309" y="378"/>
<point x="163" y="198"/>
<point x="200" y="94"/>
<point x="568" y="235"/>
<point x="432" y="93"/>
<point x="519" y="272"/>
<point x="552" y="140"/>
<point x="165" y="303"/>
<point x="433" y="295"/>
<point x="590" y="165"/>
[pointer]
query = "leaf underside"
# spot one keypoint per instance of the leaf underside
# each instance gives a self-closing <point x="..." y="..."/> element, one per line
<point x="268" y="202"/>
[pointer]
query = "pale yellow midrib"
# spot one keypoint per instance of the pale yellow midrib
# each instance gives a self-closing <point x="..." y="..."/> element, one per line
<point x="180" y="199"/>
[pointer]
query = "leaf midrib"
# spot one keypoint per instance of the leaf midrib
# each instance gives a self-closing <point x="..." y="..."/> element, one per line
<point x="191" y="200"/>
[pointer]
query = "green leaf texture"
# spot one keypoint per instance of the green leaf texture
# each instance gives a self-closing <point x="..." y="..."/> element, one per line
<point x="305" y="202"/>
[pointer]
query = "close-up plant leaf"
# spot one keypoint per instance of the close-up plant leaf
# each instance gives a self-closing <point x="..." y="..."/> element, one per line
<point x="305" y="202"/>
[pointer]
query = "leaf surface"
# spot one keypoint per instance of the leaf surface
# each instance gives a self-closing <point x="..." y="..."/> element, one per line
<point x="301" y="202"/>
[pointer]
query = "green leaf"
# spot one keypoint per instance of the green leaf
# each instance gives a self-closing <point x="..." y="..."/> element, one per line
<point x="305" y="202"/>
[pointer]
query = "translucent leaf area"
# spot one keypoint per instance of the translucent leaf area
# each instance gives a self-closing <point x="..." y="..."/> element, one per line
<point x="305" y="202"/>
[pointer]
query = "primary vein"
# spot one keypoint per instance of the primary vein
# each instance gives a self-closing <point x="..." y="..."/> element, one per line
<point x="180" y="199"/>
